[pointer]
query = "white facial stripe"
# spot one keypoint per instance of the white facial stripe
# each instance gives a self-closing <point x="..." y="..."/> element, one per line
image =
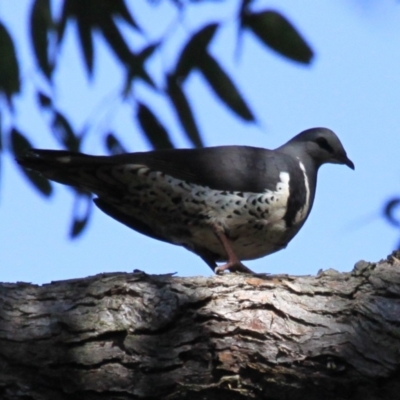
<point x="301" y="214"/>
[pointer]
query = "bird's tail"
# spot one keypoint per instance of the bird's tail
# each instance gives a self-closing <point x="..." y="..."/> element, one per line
<point x="61" y="166"/>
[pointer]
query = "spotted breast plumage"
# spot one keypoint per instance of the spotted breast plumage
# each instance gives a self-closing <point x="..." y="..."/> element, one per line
<point x="227" y="203"/>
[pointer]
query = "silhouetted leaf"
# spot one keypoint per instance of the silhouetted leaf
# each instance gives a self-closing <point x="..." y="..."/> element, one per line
<point x="85" y="35"/>
<point x="99" y="15"/>
<point x="44" y="100"/>
<point x="114" y="38"/>
<point x="278" y="33"/>
<point x="136" y="68"/>
<point x="9" y="70"/>
<point x="1" y="132"/>
<point x="193" y="51"/>
<point x="69" y="10"/>
<point x="120" y="9"/>
<point x="41" y="24"/>
<point x="153" y="129"/>
<point x="1" y="142"/>
<point x="146" y="52"/>
<point x="64" y="133"/>
<point x="113" y="145"/>
<point x="19" y="145"/>
<point x="184" y="112"/>
<point x="389" y="211"/>
<point x="224" y="87"/>
<point x="80" y="220"/>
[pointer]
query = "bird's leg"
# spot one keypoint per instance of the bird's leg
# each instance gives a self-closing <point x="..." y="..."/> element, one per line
<point x="233" y="264"/>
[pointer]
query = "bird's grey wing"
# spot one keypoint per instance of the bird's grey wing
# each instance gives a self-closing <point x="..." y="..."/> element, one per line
<point x="230" y="168"/>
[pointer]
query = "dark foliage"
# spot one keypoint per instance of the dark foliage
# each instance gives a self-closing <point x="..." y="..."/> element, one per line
<point x="112" y="20"/>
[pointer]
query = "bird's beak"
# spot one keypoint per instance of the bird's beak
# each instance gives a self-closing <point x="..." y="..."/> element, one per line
<point x="348" y="162"/>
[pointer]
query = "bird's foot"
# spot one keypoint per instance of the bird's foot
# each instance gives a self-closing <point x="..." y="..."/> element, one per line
<point x="233" y="266"/>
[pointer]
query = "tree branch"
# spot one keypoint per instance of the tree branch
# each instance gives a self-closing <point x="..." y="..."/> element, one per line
<point x="139" y="336"/>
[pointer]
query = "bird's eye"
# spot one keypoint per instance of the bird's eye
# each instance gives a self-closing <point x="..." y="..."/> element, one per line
<point x="323" y="143"/>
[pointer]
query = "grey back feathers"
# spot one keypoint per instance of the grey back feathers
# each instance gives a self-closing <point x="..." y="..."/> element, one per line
<point x="227" y="203"/>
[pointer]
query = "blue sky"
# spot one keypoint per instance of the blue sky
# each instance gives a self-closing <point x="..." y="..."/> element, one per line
<point x="352" y="87"/>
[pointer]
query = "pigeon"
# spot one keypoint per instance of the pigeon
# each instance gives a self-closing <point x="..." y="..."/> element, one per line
<point x="226" y="204"/>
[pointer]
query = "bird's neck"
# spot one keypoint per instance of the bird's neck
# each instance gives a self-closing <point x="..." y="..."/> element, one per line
<point x="306" y="173"/>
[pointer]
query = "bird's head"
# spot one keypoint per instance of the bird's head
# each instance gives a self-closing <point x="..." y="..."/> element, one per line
<point x="321" y="144"/>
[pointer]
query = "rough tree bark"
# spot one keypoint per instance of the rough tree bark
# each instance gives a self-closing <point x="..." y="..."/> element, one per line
<point x="139" y="336"/>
